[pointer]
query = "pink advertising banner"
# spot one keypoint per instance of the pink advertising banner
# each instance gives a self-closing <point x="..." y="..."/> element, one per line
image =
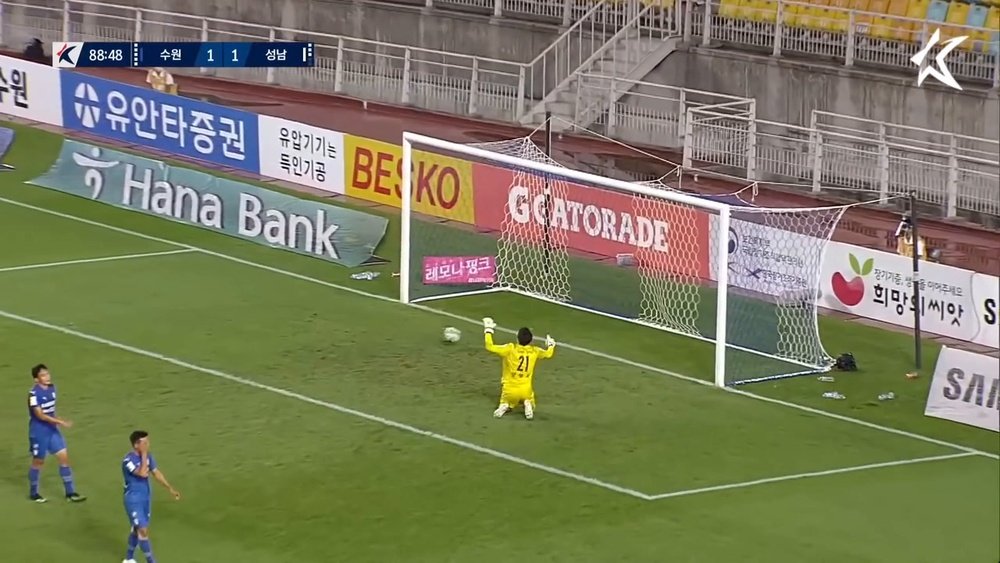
<point x="456" y="270"/>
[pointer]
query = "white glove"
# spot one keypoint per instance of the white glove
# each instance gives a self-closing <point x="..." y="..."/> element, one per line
<point x="489" y="324"/>
<point x="549" y="341"/>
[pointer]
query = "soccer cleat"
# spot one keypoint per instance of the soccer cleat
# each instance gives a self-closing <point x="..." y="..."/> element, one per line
<point x="38" y="498"/>
<point x="529" y="410"/>
<point x="501" y="410"/>
<point x="75" y="497"/>
<point x="128" y="560"/>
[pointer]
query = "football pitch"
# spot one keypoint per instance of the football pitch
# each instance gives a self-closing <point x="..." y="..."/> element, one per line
<point x="309" y="417"/>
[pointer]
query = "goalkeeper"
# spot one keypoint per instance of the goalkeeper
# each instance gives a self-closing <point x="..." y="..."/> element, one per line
<point x="518" y="368"/>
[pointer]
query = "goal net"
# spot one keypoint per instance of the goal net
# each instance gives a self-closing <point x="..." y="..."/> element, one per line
<point x="738" y="283"/>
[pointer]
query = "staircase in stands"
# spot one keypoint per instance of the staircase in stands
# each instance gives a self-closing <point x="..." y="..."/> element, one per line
<point x="631" y="41"/>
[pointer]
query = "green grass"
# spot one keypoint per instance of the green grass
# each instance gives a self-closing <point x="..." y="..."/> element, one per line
<point x="271" y="478"/>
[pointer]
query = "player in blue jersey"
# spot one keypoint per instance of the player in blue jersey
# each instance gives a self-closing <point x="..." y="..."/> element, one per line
<point x="44" y="435"/>
<point x="137" y="466"/>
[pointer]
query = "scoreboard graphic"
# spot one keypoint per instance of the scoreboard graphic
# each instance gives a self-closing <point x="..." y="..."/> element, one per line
<point x="92" y="54"/>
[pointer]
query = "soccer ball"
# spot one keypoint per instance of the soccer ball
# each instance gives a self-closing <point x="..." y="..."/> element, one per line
<point x="452" y="334"/>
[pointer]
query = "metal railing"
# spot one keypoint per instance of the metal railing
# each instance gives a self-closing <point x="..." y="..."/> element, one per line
<point x="374" y="70"/>
<point x="962" y="176"/>
<point x="562" y="12"/>
<point x="620" y="58"/>
<point x="850" y="37"/>
<point x="551" y="68"/>
<point x="647" y="113"/>
<point x="954" y="171"/>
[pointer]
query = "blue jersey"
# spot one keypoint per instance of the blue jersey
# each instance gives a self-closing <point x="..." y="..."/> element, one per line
<point x="43" y="398"/>
<point x="136" y="488"/>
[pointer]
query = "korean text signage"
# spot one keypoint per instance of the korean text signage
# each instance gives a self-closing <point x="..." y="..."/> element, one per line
<point x="768" y="260"/>
<point x="173" y="124"/>
<point x="666" y="238"/>
<point x="966" y="389"/>
<point x="953" y="302"/>
<point x="331" y="233"/>
<point x="302" y="154"/>
<point x="458" y="270"/>
<point x="30" y="91"/>
<point x="442" y="186"/>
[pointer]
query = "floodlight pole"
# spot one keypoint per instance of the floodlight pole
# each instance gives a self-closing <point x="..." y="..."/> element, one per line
<point x="547" y="198"/>
<point x="915" y="234"/>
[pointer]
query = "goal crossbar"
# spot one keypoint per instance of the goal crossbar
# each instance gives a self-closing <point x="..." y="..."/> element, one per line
<point x="721" y="209"/>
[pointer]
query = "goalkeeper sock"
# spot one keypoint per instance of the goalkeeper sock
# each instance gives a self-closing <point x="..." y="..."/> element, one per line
<point x="501" y="410"/>
<point x="529" y="410"/>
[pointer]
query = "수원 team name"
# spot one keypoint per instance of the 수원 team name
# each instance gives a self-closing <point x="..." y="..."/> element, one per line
<point x="206" y="209"/>
<point x="574" y="216"/>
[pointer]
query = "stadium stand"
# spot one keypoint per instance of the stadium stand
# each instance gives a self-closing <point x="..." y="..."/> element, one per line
<point x="897" y="20"/>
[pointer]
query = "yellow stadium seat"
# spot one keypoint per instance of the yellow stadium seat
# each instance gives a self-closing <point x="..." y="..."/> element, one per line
<point x="746" y="10"/>
<point x="767" y="11"/>
<point x="863" y="22"/>
<point x="958" y="12"/>
<point x="814" y="15"/>
<point x="837" y="15"/>
<point x="729" y="8"/>
<point x="916" y="10"/>
<point x="891" y="26"/>
<point x="791" y="13"/>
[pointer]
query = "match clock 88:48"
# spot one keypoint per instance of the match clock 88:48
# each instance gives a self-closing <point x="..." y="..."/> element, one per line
<point x="101" y="53"/>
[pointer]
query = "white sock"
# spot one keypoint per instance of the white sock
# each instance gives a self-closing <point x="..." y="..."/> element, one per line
<point x="529" y="410"/>
<point x="501" y="410"/>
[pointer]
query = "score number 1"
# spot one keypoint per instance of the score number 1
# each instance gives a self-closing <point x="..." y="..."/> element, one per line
<point x="211" y="56"/>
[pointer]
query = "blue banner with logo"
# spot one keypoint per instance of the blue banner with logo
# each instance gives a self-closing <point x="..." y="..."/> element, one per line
<point x="166" y="122"/>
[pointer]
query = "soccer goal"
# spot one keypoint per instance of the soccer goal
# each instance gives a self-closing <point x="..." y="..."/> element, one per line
<point x="505" y="217"/>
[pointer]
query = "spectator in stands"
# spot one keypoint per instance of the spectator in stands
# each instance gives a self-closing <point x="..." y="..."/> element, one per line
<point x="160" y="80"/>
<point x="904" y="240"/>
<point x="35" y="52"/>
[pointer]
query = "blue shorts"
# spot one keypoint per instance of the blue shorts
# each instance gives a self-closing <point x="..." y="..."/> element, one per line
<point x="138" y="512"/>
<point x="43" y="443"/>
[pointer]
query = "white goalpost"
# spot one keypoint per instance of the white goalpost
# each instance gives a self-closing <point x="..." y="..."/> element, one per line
<point x="743" y="279"/>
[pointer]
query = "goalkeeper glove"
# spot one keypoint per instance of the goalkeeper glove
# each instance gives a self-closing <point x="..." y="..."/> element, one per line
<point x="488" y="325"/>
<point x="549" y="341"/>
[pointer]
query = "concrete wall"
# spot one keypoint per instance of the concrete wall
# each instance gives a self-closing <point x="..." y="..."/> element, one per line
<point x="470" y="34"/>
<point x="787" y="91"/>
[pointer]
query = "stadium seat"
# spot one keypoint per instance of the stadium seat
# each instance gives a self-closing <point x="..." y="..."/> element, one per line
<point x="917" y="10"/>
<point x="863" y="22"/>
<point x="993" y="24"/>
<point x="837" y="16"/>
<point x="958" y="13"/>
<point x="937" y="11"/>
<point x="767" y="11"/>
<point x="814" y="15"/>
<point x="791" y="14"/>
<point x="891" y="26"/>
<point x="746" y="9"/>
<point x="729" y="8"/>
<point x="977" y="39"/>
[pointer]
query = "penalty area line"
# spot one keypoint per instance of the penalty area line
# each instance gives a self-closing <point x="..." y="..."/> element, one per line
<point x="588" y="351"/>
<point x="94" y="260"/>
<point x="811" y="474"/>
<point x="331" y="406"/>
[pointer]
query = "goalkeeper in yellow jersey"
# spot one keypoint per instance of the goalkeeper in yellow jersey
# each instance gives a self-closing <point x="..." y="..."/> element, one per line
<point x="518" y="368"/>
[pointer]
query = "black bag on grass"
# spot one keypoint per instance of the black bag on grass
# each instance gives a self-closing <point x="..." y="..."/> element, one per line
<point x="846" y="362"/>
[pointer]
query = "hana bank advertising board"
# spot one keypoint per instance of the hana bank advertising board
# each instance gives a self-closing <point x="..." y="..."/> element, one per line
<point x="664" y="237"/>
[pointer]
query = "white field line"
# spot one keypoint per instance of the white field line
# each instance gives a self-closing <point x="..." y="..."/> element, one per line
<point x="454" y="441"/>
<point x="95" y="260"/>
<point x="594" y="353"/>
<point x="332" y="406"/>
<point x="797" y="476"/>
